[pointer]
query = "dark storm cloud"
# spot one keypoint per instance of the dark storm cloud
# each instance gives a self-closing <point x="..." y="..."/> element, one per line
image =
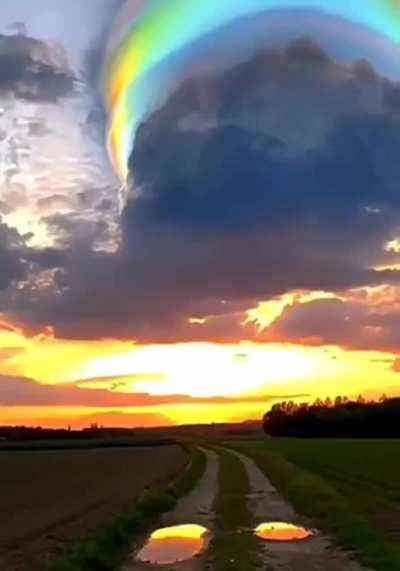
<point x="13" y="266"/>
<point x="18" y="260"/>
<point x="75" y="229"/>
<point x="33" y="70"/>
<point x="46" y="258"/>
<point x="279" y="174"/>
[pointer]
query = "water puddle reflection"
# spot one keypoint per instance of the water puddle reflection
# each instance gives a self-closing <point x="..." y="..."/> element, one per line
<point x="281" y="531"/>
<point x="174" y="544"/>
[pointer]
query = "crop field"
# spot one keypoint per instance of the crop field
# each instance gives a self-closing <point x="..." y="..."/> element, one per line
<point x="367" y="472"/>
<point x="75" y="508"/>
<point x="49" y="499"/>
<point x="351" y="486"/>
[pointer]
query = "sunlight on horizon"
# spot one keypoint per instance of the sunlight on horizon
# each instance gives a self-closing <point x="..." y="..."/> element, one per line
<point x="208" y="370"/>
<point x="254" y="374"/>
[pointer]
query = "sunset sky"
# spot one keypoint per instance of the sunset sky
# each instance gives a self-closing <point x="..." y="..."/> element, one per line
<point x="199" y="208"/>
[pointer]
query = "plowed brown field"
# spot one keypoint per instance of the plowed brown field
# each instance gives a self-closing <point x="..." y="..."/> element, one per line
<point x="48" y="499"/>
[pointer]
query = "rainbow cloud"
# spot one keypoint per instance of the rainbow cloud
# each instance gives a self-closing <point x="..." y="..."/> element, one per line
<point x="153" y="42"/>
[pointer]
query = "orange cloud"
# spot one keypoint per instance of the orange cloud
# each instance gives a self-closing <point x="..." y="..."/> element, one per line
<point x="188" y="382"/>
<point x="19" y="391"/>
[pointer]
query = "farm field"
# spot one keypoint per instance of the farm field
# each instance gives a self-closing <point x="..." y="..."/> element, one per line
<point x="52" y="498"/>
<point x="351" y="486"/>
<point x="367" y="472"/>
<point x="348" y="489"/>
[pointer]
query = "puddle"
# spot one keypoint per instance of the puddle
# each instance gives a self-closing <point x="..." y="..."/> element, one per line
<point x="174" y="544"/>
<point x="281" y="531"/>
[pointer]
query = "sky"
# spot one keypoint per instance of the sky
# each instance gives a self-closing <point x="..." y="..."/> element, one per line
<point x="199" y="208"/>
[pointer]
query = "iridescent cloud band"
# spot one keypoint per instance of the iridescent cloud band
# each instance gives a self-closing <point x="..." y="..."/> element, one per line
<point x="150" y="36"/>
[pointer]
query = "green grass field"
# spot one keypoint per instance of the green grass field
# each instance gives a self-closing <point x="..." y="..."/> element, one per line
<point x="351" y="487"/>
<point x="367" y="472"/>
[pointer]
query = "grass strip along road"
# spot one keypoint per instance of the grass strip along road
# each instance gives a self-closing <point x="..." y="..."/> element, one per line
<point x="107" y="549"/>
<point x="231" y="548"/>
<point x="314" y="477"/>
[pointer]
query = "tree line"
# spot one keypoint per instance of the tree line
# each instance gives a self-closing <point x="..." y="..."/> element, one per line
<point x="340" y="418"/>
<point x="39" y="433"/>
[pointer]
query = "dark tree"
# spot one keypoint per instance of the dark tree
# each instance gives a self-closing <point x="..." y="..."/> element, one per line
<point x="342" y="418"/>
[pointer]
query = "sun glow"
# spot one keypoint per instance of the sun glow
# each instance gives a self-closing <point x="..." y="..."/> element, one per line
<point x="208" y="370"/>
<point x="215" y="382"/>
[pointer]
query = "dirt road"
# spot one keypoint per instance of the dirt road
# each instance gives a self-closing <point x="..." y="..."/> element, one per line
<point x="318" y="553"/>
<point x="195" y="508"/>
<point x="315" y="554"/>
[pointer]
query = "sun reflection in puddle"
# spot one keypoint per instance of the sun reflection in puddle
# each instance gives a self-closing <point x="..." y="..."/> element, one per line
<point x="174" y="544"/>
<point x="281" y="531"/>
